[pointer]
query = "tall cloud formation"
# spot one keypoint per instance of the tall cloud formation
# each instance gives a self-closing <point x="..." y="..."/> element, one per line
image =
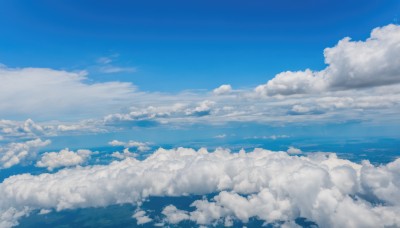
<point x="351" y="65"/>
<point x="270" y="186"/>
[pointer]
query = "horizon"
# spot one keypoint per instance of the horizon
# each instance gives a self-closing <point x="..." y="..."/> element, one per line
<point x="200" y="114"/>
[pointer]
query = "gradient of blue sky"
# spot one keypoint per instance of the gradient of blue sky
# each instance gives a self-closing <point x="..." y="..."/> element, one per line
<point x="179" y="45"/>
<point x="90" y="89"/>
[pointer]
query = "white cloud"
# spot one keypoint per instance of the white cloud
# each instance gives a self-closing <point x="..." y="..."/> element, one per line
<point x="14" y="153"/>
<point x="270" y="186"/>
<point x="288" y="83"/>
<point x="223" y="89"/>
<point x="332" y="93"/>
<point x="140" y="146"/>
<point x="116" y="69"/>
<point x="273" y="137"/>
<point x="141" y="217"/>
<point x="104" y="60"/>
<point x="125" y="154"/>
<point x="63" y="158"/>
<point x="203" y="109"/>
<point x="23" y="129"/>
<point x="47" y="93"/>
<point x="44" y="212"/>
<point x="116" y="143"/>
<point x="351" y="65"/>
<point x="106" y="66"/>
<point x="293" y="150"/>
<point x="174" y="215"/>
<point x="221" y="136"/>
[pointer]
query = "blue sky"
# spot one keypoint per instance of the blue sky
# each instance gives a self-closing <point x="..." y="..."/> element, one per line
<point x="184" y="45"/>
<point x="192" y="113"/>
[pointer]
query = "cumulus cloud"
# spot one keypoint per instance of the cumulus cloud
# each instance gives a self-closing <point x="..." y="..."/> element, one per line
<point x="141" y="217"/>
<point x="351" y="65"/>
<point x="145" y="116"/>
<point x="37" y="92"/>
<point x="331" y="93"/>
<point x="174" y="215"/>
<point x="125" y="154"/>
<point x="203" y="109"/>
<point x="140" y="146"/>
<point x="270" y="186"/>
<point x="223" y="89"/>
<point x="23" y="129"/>
<point x="293" y="150"/>
<point x="288" y="83"/>
<point x="14" y="153"/>
<point x="82" y="126"/>
<point x="63" y="158"/>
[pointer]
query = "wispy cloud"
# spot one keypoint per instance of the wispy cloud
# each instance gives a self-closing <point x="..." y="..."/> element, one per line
<point x="109" y="69"/>
<point x="107" y="66"/>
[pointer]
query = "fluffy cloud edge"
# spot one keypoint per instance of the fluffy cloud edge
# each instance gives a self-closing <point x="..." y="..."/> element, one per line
<point x="351" y="65"/>
<point x="271" y="186"/>
<point x="63" y="158"/>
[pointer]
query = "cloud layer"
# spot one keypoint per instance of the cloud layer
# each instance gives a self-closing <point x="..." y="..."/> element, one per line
<point x="46" y="93"/>
<point x="270" y="186"/>
<point x="360" y="83"/>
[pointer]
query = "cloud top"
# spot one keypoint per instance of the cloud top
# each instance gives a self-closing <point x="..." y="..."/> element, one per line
<point x="351" y="65"/>
<point x="271" y="186"/>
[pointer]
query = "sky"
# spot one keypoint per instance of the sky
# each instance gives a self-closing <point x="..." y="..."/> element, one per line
<point x="200" y="113"/>
<point x="184" y="45"/>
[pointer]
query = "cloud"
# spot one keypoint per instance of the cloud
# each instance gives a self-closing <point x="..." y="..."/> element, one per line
<point x="11" y="130"/>
<point x="140" y="146"/>
<point x="106" y="66"/>
<point x="273" y="137"/>
<point x="203" y="109"/>
<point x="304" y="110"/>
<point x="351" y="65"/>
<point x="288" y="83"/>
<point x="141" y="217"/>
<point x="63" y="158"/>
<point x="104" y="60"/>
<point x="14" y="153"/>
<point x="223" y="89"/>
<point x="47" y="93"/>
<point x="115" y="69"/>
<point x="125" y="154"/>
<point x="221" y="136"/>
<point x="81" y="126"/>
<point x="270" y="186"/>
<point x="293" y="150"/>
<point x="330" y="95"/>
<point x="174" y="215"/>
<point x="24" y="129"/>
